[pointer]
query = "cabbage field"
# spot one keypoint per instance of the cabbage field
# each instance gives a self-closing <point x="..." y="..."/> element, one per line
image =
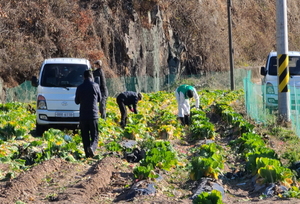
<point x="222" y="157"/>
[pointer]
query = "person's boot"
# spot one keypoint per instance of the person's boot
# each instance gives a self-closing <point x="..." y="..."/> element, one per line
<point x="182" y="120"/>
<point x="90" y="152"/>
<point x="122" y="124"/>
<point x="187" y="119"/>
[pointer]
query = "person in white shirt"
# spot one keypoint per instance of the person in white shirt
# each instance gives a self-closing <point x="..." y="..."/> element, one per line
<point x="183" y="93"/>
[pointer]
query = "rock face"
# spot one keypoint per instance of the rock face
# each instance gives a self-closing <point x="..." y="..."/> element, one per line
<point x="134" y="40"/>
<point x="154" y="54"/>
<point x="146" y="53"/>
<point x="144" y="44"/>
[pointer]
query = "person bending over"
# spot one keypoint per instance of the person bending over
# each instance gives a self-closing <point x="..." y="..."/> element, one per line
<point x="129" y="99"/>
<point x="183" y="93"/>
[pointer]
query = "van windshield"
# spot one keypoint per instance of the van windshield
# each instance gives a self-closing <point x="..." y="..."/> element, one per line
<point x="63" y="75"/>
<point x="294" y="65"/>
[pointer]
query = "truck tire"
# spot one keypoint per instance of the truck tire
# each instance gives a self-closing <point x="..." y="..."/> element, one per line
<point x="39" y="130"/>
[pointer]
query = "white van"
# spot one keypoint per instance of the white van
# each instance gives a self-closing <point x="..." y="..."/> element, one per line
<point x="270" y="80"/>
<point x="56" y="86"/>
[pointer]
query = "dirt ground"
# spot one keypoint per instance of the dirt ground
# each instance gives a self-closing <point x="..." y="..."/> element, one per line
<point x="110" y="180"/>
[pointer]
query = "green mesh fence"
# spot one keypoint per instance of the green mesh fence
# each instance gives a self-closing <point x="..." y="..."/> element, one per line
<point x="22" y="93"/>
<point x="295" y="110"/>
<point x="255" y="104"/>
<point x="254" y="100"/>
<point x="146" y="84"/>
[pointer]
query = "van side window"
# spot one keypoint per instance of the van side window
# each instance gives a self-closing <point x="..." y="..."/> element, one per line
<point x="294" y="65"/>
<point x="273" y="66"/>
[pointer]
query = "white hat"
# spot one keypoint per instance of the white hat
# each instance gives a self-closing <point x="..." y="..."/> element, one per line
<point x="99" y="62"/>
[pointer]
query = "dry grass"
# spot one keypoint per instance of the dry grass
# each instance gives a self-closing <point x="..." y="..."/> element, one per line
<point x="32" y="30"/>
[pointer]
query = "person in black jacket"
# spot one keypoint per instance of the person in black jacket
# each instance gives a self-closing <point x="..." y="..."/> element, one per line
<point x="130" y="99"/>
<point x="88" y="95"/>
<point x="100" y="79"/>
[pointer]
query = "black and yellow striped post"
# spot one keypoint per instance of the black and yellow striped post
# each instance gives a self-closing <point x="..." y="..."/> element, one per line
<point x="283" y="86"/>
<point x="283" y="73"/>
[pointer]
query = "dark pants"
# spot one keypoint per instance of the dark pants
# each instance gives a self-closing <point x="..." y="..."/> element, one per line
<point x="123" y="111"/>
<point x="89" y="134"/>
<point x="102" y="107"/>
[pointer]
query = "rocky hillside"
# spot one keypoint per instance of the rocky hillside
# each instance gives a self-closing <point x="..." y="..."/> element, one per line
<point x="138" y="37"/>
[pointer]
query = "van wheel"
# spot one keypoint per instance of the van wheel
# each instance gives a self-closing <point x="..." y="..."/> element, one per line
<point x="75" y="129"/>
<point x="39" y="130"/>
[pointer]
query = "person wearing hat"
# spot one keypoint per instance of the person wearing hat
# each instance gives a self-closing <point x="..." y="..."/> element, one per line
<point x="99" y="78"/>
<point x="183" y="93"/>
<point x="130" y="99"/>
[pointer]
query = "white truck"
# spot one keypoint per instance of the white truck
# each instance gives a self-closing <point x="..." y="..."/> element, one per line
<point x="270" y="80"/>
<point x="56" y="86"/>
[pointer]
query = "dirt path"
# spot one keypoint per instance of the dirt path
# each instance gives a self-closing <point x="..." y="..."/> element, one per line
<point x="105" y="181"/>
<point x="58" y="181"/>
